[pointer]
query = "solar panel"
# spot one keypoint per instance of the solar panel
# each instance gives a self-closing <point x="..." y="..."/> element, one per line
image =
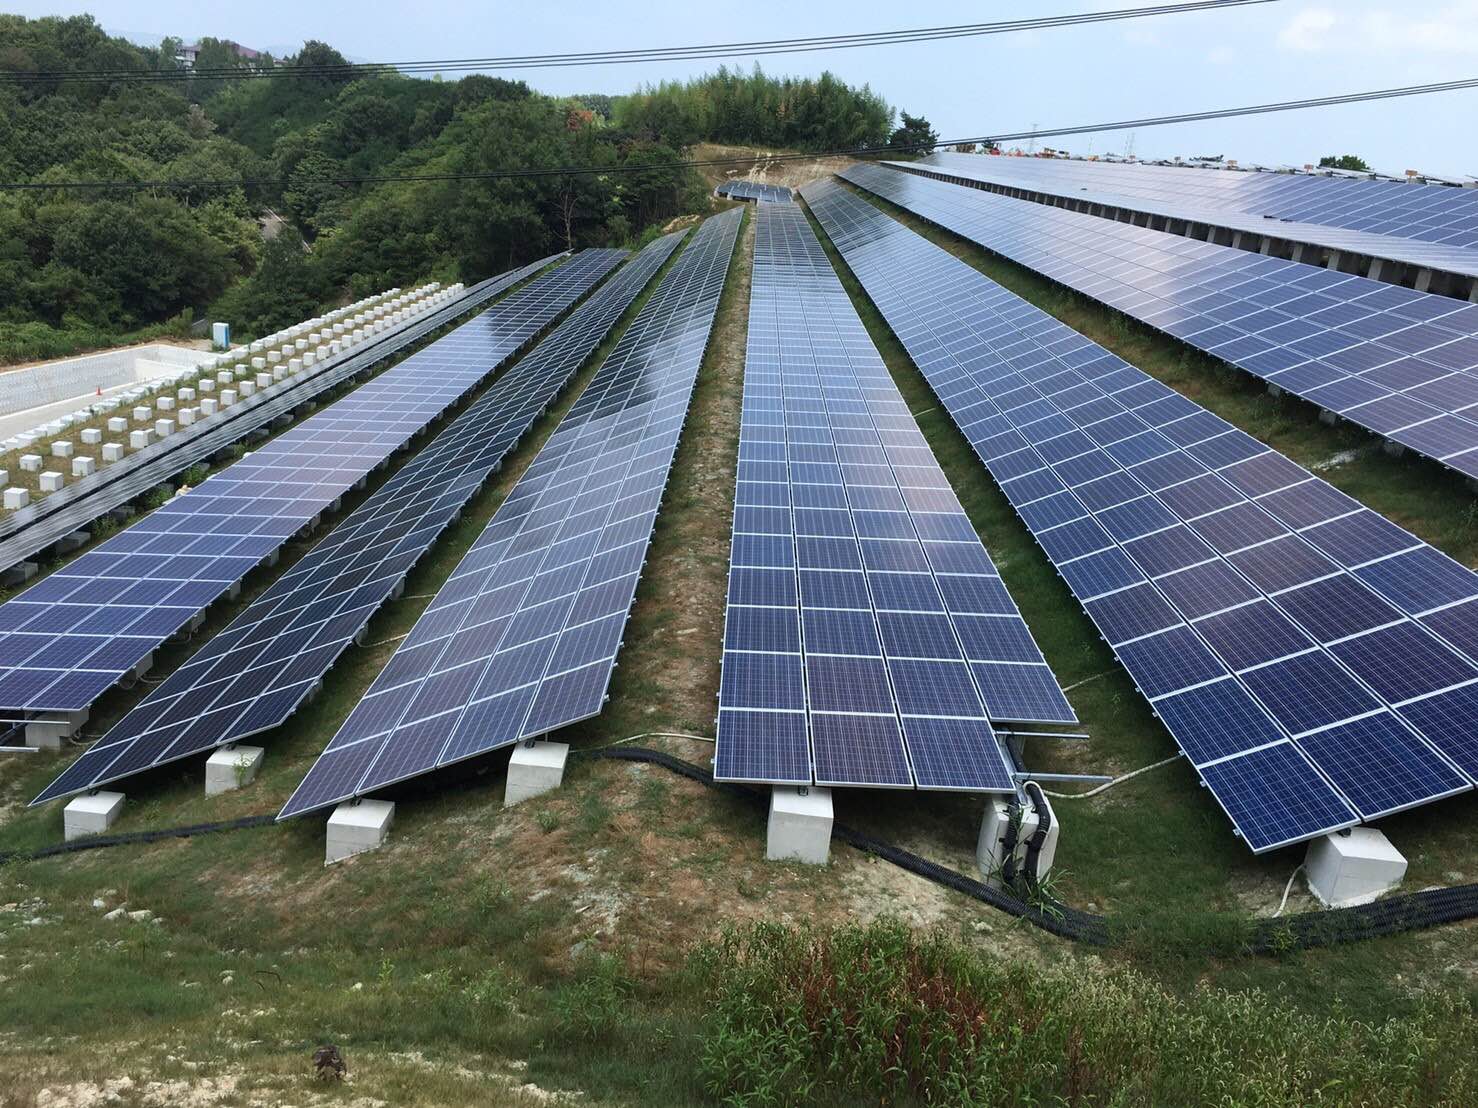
<point x="1172" y="194"/>
<point x="1440" y="215"/>
<point x="868" y="638"/>
<point x="256" y="672"/>
<point x="42" y="523"/>
<point x="1396" y="362"/>
<point x="523" y="637"/>
<point x="755" y="190"/>
<point x="1293" y="642"/>
<point x="72" y="635"/>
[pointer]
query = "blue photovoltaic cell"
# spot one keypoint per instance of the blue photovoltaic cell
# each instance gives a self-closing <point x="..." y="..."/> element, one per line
<point x="1265" y="646"/>
<point x="141" y="586"/>
<point x="523" y="637"/>
<point x="862" y="667"/>
<point x="257" y="671"/>
<point x="1427" y="226"/>
<point x="1402" y="364"/>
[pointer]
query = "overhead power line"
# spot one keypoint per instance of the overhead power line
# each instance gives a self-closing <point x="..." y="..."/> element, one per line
<point x="718" y="50"/>
<point x="856" y="151"/>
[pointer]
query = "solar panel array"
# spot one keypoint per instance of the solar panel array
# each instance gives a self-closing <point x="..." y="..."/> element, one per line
<point x="43" y="522"/>
<point x="1401" y="364"/>
<point x="868" y="638"/>
<point x="523" y="637"/>
<point x="256" y="672"/>
<point x="1314" y="661"/>
<point x="755" y="190"/>
<point x="1424" y="213"/>
<point x="72" y="635"/>
<point x="1098" y="182"/>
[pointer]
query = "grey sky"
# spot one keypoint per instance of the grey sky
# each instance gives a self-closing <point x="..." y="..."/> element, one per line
<point x="1284" y="50"/>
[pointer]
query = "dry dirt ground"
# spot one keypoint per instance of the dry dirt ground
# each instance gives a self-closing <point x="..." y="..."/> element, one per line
<point x="764" y="167"/>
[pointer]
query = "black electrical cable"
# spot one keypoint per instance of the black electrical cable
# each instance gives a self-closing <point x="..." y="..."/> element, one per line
<point x="858" y="151"/>
<point x="762" y="47"/>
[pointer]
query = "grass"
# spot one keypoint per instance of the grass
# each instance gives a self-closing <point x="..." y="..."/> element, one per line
<point x="577" y="942"/>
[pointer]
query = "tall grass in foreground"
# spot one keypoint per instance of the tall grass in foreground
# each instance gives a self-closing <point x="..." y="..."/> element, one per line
<point x="882" y="1015"/>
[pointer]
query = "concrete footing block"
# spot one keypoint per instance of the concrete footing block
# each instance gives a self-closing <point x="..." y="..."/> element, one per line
<point x="800" y="825"/>
<point x="91" y="814"/>
<point x="232" y="767"/>
<point x="1354" y="866"/>
<point x="356" y="826"/>
<point x="19" y="573"/>
<point x="48" y="732"/>
<point x="533" y="769"/>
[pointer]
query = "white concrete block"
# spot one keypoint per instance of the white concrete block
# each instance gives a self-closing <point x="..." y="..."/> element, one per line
<point x="232" y="767"/>
<point x="31" y="463"/>
<point x="273" y="358"/>
<point x="48" y="732"/>
<point x="259" y="363"/>
<point x="137" y="440"/>
<point x="356" y="826"/>
<point x="62" y="448"/>
<point x="165" y="403"/>
<point x="207" y="384"/>
<point x="16" y="498"/>
<point x="1353" y="867"/>
<point x="112" y="452"/>
<point x="117" y="425"/>
<point x="228" y="397"/>
<point x="4" y="478"/>
<point x="263" y="380"/>
<point x="164" y="428"/>
<point x="534" y="768"/>
<point x="51" y="481"/>
<point x="143" y="413"/>
<point x="91" y="436"/>
<point x="187" y="396"/>
<point x="84" y="467"/>
<point x="800" y="825"/>
<point x="226" y="376"/>
<point x="209" y="405"/>
<point x="246" y="388"/>
<point x="91" y="815"/>
<point x="309" y="358"/>
<point x="187" y="416"/>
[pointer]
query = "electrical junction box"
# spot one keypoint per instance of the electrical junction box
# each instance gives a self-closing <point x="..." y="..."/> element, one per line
<point x="995" y="830"/>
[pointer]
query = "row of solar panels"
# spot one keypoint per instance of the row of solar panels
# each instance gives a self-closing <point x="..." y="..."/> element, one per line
<point x="1419" y="213"/>
<point x="1078" y="189"/>
<point x="755" y="190"/>
<point x="868" y="640"/>
<point x="32" y="529"/>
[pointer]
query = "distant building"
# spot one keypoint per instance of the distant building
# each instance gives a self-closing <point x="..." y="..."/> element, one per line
<point x="187" y="54"/>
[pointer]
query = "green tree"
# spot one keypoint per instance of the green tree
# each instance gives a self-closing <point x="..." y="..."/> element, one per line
<point x="914" y="135"/>
<point x="1344" y="161"/>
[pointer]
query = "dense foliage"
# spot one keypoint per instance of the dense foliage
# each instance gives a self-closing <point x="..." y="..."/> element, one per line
<point x="1344" y="161"/>
<point x="914" y="135"/>
<point x="878" y="1015"/>
<point x="256" y="218"/>
<point x="759" y="110"/>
